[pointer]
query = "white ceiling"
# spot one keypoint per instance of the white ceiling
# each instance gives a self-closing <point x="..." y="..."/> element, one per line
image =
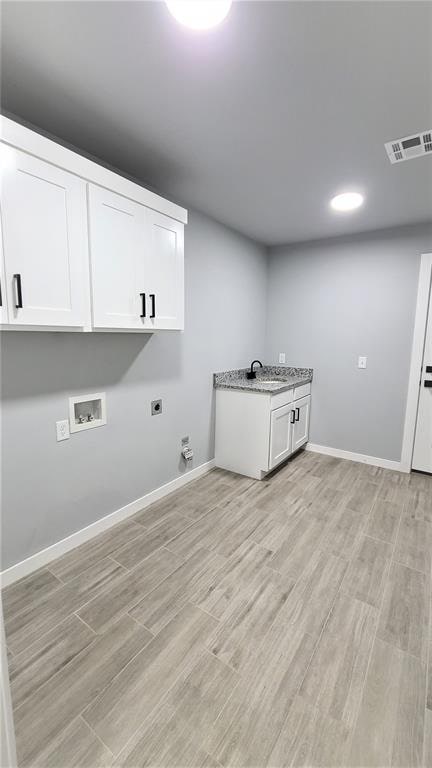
<point x="257" y="123"/>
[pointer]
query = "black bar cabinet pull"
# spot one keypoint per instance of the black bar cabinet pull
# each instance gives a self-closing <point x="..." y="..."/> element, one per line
<point x="297" y="418"/>
<point x="428" y="383"/>
<point x="292" y="417"/>
<point x="153" y="307"/>
<point x="429" y="369"/>
<point x="1" y="297"/>
<point x="19" y="302"/>
<point x="143" y="311"/>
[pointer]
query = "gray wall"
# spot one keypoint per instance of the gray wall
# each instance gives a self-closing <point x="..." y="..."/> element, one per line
<point x="333" y="300"/>
<point x="52" y="489"/>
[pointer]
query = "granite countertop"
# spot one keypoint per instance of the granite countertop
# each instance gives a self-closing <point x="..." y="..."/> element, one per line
<point x="285" y="377"/>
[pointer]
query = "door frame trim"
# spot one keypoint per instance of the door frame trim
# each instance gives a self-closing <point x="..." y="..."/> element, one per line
<point x="422" y="305"/>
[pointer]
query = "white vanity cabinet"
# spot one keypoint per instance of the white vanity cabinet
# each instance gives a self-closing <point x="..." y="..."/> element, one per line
<point x="257" y="431"/>
<point x="44" y="229"/>
<point x="84" y="248"/>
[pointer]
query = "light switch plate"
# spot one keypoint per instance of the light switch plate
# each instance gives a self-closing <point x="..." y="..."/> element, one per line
<point x="282" y="358"/>
<point x="362" y="362"/>
<point x="62" y="430"/>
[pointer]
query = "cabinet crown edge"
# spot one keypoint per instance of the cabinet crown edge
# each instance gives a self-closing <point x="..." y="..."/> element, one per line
<point x="28" y="140"/>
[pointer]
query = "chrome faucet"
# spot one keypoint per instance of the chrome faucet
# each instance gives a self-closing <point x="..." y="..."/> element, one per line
<point x="251" y="374"/>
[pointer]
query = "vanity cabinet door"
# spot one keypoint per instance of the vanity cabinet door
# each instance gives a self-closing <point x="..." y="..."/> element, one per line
<point x="44" y="228"/>
<point x="281" y="431"/>
<point x="301" y="424"/>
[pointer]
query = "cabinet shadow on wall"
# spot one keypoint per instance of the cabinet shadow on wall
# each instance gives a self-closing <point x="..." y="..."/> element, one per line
<point x="39" y="364"/>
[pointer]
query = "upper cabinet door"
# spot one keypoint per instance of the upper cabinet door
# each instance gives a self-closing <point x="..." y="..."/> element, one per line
<point x="3" y="296"/>
<point x="165" y="270"/>
<point x="117" y="257"/>
<point x="44" y="221"/>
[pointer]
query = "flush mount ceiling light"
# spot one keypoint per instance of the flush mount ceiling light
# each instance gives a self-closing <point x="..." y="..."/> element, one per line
<point x="347" y="201"/>
<point x="199" y="14"/>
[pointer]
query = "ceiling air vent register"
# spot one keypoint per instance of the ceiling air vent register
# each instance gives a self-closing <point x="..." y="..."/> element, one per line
<point x="409" y="147"/>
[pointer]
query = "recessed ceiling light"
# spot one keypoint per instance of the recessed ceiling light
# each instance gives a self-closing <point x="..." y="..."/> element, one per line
<point x="199" y="14"/>
<point x="347" y="201"/>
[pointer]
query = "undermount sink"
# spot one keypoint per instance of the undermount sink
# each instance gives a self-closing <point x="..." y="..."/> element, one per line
<point x="280" y="382"/>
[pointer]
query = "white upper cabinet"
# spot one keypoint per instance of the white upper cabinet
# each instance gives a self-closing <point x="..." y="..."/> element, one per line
<point x="117" y="258"/>
<point x="44" y="223"/>
<point x="136" y="257"/>
<point x="3" y="297"/>
<point x="84" y="247"/>
<point x="164" y="276"/>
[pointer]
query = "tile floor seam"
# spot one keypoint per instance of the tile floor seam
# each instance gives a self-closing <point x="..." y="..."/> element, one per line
<point x="80" y="717"/>
<point x="85" y="623"/>
<point x="222" y="661"/>
<point x="403" y="652"/>
<point x="39" y="639"/>
<point x="410" y="568"/>
<point x="140" y="624"/>
<point x="157" y="549"/>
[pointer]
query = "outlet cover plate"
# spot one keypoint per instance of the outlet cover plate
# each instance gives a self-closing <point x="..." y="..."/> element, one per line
<point x="62" y="430"/>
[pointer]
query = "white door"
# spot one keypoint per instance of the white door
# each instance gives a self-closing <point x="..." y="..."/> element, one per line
<point x="301" y="423"/>
<point x="165" y="270"/>
<point x="3" y="296"/>
<point x="118" y="256"/>
<point x="44" y="221"/>
<point x="422" y="456"/>
<point x="281" y="428"/>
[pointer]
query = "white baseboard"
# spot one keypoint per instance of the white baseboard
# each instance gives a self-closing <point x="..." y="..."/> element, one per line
<point x="360" y="457"/>
<point x="45" y="556"/>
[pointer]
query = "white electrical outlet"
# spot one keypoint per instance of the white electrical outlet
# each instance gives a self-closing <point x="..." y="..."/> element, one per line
<point x="62" y="429"/>
<point x="362" y="362"/>
<point x="282" y="358"/>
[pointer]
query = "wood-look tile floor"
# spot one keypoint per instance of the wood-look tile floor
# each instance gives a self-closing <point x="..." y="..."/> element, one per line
<point x="236" y="623"/>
